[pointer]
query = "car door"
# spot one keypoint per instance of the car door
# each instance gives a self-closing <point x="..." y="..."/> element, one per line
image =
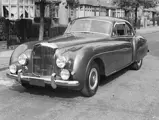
<point x="123" y="45"/>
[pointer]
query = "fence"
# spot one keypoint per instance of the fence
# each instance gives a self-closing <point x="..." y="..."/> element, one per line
<point x="25" y="30"/>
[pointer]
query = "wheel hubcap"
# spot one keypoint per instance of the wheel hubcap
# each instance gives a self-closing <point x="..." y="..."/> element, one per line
<point x="93" y="79"/>
<point x="139" y="63"/>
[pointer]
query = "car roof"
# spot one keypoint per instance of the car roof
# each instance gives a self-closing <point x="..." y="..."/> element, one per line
<point x="105" y="18"/>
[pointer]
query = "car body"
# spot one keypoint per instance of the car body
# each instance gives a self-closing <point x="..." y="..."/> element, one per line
<point x="89" y="48"/>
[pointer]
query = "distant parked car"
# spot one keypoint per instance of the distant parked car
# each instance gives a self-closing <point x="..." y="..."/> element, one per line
<point x="89" y="48"/>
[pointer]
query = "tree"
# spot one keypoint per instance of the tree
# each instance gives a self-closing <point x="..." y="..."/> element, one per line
<point x="134" y="5"/>
<point x="42" y="12"/>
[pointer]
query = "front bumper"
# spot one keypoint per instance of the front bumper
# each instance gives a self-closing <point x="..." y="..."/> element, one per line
<point x="47" y="80"/>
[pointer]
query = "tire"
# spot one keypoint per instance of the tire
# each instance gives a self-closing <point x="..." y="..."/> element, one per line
<point x="137" y="65"/>
<point x="92" y="80"/>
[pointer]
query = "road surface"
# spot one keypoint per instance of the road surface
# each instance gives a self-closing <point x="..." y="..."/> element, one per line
<point x="127" y="95"/>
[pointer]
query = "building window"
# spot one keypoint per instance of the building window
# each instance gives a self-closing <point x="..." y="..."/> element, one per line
<point x="25" y="2"/>
<point x="26" y="11"/>
<point x="5" y="1"/>
<point x="14" y="12"/>
<point x="21" y="12"/>
<point x="13" y="1"/>
<point x="16" y="9"/>
<point x="47" y="11"/>
<point x="21" y="2"/>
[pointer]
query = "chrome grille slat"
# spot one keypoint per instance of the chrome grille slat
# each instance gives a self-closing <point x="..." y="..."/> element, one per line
<point x="42" y="60"/>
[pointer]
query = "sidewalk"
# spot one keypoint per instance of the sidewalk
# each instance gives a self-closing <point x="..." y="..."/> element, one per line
<point x="5" y="54"/>
<point x="148" y="30"/>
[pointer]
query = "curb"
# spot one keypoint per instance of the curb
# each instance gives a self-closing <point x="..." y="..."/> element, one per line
<point x="150" y="30"/>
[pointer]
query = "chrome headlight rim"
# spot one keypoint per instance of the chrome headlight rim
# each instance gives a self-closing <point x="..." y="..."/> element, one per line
<point x="65" y="74"/>
<point x="61" y="61"/>
<point x="13" y="68"/>
<point x="22" y="59"/>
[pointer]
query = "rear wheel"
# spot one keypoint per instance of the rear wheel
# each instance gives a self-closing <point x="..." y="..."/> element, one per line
<point x="92" y="81"/>
<point x="137" y="65"/>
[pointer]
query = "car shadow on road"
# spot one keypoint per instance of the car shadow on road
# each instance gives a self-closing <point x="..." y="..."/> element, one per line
<point x="63" y="92"/>
<point x="105" y="80"/>
<point x="47" y="91"/>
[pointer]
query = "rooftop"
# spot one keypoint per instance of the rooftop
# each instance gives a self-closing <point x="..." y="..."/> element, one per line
<point x="112" y="19"/>
<point x="104" y="3"/>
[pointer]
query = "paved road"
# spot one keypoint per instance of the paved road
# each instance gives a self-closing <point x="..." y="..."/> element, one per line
<point x="127" y="95"/>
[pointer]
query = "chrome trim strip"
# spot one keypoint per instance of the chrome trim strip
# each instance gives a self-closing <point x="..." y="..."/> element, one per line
<point x="67" y="82"/>
<point x="12" y="75"/>
<point x="94" y="56"/>
<point x="46" y="79"/>
<point x="51" y="45"/>
<point x="38" y="78"/>
<point x="46" y="44"/>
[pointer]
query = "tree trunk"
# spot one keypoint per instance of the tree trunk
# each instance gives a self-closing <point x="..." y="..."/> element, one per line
<point x="1" y="8"/>
<point x="126" y="13"/>
<point x="153" y="18"/>
<point x="136" y="17"/>
<point x="41" y="29"/>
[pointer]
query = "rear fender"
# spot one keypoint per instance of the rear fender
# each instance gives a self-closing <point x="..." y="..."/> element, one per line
<point x="140" y="48"/>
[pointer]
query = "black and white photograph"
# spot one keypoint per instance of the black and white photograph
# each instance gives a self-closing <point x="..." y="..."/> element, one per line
<point x="79" y="59"/>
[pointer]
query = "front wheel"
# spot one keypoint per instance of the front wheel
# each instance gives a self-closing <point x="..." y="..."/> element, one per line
<point x="92" y="81"/>
<point x="137" y="65"/>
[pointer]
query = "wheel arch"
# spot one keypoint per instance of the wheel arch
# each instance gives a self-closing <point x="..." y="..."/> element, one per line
<point x="100" y="64"/>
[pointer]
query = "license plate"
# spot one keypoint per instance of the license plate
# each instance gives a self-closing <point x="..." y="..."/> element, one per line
<point x="39" y="83"/>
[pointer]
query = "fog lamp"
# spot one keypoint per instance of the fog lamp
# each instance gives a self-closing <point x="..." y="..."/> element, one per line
<point x="13" y="69"/>
<point x="65" y="74"/>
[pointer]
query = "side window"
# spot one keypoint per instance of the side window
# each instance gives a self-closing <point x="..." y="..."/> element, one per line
<point x="128" y="29"/>
<point x="119" y="30"/>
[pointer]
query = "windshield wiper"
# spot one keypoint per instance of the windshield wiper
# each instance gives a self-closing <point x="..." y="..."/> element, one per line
<point x="70" y="33"/>
<point x="86" y="32"/>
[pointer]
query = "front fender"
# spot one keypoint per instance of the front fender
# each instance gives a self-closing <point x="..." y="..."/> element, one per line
<point x="21" y="49"/>
<point x="80" y="64"/>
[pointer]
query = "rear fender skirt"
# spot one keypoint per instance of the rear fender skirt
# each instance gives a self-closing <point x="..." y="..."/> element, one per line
<point x="140" y="48"/>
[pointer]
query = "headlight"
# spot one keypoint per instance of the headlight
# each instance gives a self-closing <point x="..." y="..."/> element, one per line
<point x="65" y="74"/>
<point x="13" y="69"/>
<point x="22" y="59"/>
<point x="61" y="62"/>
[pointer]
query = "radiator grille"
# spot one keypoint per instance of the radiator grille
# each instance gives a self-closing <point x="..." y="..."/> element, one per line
<point x="43" y="59"/>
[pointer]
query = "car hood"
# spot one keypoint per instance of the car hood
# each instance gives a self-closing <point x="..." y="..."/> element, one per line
<point x="72" y="41"/>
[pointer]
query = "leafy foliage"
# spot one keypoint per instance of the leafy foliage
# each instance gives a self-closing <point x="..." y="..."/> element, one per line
<point x="133" y="5"/>
<point x="128" y="4"/>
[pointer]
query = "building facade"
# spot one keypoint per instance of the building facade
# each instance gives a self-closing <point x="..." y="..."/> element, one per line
<point x="16" y="9"/>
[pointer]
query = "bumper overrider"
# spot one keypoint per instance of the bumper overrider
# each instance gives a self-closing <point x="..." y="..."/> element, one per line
<point x="41" y="81"/>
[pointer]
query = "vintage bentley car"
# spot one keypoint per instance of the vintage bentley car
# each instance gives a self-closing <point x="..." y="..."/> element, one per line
<point x="90" y="47"/>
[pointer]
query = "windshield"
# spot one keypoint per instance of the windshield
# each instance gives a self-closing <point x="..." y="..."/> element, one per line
<point x="92" y="26"/>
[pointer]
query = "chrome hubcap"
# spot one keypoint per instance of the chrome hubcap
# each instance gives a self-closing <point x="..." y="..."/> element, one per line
<point x="139" y="63"/>
<point x="93" y="79"/>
